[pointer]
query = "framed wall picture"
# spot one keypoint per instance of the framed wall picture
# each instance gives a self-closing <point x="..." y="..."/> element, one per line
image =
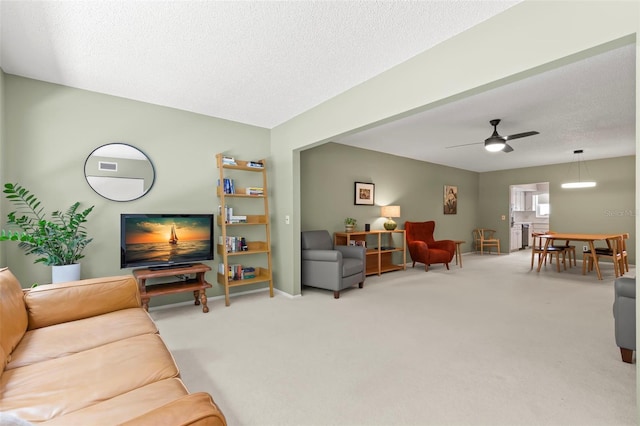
<point x="450" y="199"/>
<point x="364" y="193"/>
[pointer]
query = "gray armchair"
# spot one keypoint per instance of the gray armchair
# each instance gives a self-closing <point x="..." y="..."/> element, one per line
<point x="328" y="267"/>
<point x="624" y="311"/>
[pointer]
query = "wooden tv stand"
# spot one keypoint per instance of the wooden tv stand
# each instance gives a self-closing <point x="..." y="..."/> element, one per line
<point x="198" y="284"/>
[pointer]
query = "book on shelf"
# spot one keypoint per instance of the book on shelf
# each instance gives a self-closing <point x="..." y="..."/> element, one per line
<point x="229" y="217"/>
<point x="254" y="190"/>
<point x="228" y="186"/>
<point x="236" y="272"/>
<point x="233" y="244"/>
<point x="238" y="219"/>
<point x="256" y="164"/>
<point x="229" y="161"/>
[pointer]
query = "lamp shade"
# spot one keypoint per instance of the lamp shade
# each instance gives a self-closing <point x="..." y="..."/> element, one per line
<point x="390" y="211"/>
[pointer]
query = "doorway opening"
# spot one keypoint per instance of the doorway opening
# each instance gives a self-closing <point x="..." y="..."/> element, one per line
<point x="529" y="212"/>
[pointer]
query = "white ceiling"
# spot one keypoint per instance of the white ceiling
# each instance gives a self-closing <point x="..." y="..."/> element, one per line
<point x="264" y="62"/>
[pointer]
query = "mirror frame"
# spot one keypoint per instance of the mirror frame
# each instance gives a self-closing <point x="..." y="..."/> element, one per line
<point x="109" y="196"/>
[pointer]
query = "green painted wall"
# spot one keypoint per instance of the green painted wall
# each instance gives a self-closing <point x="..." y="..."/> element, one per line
<point x="50" y="131"/>
<point x="609" y="207"/>
<point x="328" y="173"/>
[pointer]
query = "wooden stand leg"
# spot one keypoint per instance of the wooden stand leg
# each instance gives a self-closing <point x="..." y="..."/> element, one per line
<point x="145" y="304"/>
<point x="196" y="296"/>
<point x="627" y="355"/>
<point x="203" y="300"/>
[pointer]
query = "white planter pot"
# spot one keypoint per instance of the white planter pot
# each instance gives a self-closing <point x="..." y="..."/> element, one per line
<point x="64" y="273"/>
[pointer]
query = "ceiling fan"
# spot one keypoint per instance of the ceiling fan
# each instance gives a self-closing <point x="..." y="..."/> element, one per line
<point x="496" y="142"/>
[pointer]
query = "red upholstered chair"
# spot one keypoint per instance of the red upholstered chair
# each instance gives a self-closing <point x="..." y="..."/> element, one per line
<point x="423" y="248"/>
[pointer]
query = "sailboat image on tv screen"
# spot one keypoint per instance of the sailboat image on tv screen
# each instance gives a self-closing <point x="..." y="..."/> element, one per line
<point x="173" y="239"/>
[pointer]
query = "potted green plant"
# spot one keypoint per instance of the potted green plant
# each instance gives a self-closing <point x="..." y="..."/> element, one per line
<point x="58" y="241"/>
<point x="349" y="224"/>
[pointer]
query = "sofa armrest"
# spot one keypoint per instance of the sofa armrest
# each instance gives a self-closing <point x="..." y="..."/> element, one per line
<point x="195" y="409"/>
<point x="321" y="255"/>
<point x="63" y="302"/>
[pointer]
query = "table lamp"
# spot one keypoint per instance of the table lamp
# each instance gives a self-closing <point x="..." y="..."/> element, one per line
<point x="390" y="212"/>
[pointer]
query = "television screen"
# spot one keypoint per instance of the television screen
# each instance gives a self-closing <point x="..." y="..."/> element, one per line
<point x="165" y="240"/>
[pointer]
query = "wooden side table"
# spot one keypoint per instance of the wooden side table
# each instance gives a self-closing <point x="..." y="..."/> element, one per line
<point x="379" y="257"/>
<point x="458" y="253"/>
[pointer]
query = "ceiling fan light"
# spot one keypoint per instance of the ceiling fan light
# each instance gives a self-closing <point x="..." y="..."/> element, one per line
<point x="585" y="184"/>
<point x="494" y="145"/>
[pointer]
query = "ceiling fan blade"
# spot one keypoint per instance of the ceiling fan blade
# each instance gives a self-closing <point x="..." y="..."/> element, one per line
<point x="466" y="144"/>
<point x="521" y="135"/>
<point x="507" y="148"/>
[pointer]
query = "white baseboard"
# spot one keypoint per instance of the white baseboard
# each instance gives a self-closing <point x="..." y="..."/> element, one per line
<point x="221" y="296"/>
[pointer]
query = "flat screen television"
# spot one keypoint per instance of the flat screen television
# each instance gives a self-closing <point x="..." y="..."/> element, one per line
<point x="163" y="241"/>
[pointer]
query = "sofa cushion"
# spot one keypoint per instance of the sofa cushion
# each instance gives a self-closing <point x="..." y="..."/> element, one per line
<point x="61" y="302"/>
<point x="124" y="407"/>
<point x="72" y="337"/>
<point x="13" y="314"/>
<point x="45" y="390"/>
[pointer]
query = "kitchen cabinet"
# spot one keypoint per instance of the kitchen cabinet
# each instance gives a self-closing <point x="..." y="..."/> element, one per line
<point x="516" y="238"/>
<point x="528" y="202"/>
<point x="523" y="201"/>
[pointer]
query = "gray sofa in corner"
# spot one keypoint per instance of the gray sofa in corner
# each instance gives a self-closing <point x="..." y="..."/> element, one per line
<point x="624" y="311"/>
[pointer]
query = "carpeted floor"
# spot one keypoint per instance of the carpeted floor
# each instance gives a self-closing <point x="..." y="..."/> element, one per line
<point x="492" y="343"/>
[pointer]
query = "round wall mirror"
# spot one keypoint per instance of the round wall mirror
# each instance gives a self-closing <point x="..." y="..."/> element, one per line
<point x="119" y="172"/>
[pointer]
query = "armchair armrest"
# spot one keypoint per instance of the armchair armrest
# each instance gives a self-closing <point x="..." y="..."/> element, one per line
<point x="418" y="249"/>
<point x="447" y="245"/>
<point x="321" y="255"/>
<point x="57" y="303"/>
<point x="195" y="409"/>
<point x="624" y="312"/>
<point x="356" y="252"/>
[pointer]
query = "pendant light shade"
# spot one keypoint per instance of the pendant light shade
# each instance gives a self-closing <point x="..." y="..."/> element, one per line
<point x="587" y="183"/>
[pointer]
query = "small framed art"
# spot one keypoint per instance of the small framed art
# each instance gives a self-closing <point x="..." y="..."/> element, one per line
<point x="364" y="193"/>
<point x="450" y="199"/>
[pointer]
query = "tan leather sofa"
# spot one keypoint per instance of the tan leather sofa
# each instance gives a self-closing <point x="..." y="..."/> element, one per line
<point x="86" y="353"/>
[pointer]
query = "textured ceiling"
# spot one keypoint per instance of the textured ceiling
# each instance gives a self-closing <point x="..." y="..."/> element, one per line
<point x="256" y="62"/>
<point x="263" y="62"/>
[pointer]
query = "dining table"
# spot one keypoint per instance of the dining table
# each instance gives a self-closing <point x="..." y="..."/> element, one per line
<point x="587" y="238"/>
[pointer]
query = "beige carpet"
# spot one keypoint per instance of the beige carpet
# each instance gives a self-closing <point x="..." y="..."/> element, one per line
<point x="489" y="344"/>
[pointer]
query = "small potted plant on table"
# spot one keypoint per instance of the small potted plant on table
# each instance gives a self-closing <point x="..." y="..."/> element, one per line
<point x="349" y="224"/>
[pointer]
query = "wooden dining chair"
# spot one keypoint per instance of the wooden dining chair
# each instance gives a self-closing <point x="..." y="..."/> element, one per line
<point x="539" y="242"/>
<point x="613" y="251"/>
<point x="570" y="250"/>
<point x="485" y="238"/>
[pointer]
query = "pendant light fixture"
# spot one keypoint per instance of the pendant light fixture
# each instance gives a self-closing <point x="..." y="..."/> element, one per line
<point x="579" y="183"/>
